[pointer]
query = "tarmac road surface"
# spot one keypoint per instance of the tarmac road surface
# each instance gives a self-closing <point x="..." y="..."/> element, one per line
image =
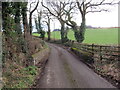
<point x="64" y="70"/>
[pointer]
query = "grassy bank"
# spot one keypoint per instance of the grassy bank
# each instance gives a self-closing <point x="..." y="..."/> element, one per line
<point x="19" y="71"/>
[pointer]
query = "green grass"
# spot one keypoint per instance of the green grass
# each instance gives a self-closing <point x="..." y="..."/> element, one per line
<point x="102" y="36"/>
<point x="21" y="78"/>
<point x="96" y="36"/>
<point x="36" y="34"/>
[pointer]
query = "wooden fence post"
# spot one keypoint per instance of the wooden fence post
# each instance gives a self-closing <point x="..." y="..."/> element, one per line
<point x="93" y="49"/>
<point x="72" y="43"/>
<point x="100" y="52"/>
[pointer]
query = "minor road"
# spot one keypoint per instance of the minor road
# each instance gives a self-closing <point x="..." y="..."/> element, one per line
<point x="64" y="70"/>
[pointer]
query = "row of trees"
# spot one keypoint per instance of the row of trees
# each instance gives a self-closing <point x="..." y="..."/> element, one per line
<point x="13" y="13"/>
<point x="17" y="32"/>
<point x="64" y="12"/>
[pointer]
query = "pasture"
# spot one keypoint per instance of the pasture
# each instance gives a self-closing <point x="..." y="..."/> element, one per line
<point x="96" y="36"/>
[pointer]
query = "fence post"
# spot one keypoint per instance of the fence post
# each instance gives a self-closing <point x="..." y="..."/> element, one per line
<point x="93" y="52"/>
<point x="72" y="43"/>
<point x="93" y="49"/>
<point x="100" y="52"/>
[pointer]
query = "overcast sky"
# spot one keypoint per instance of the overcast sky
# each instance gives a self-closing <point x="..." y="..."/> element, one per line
<point x="101" y="19"/>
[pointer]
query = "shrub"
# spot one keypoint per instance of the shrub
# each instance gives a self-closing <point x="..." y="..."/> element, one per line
<point x="32" y="70"/>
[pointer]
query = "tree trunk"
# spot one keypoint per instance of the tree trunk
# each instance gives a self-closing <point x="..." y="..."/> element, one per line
<point x="49" y="34"/>
<point x="30" y="23"/>
<point x="79" y="33"/>
<point x="27" y="35"/>
<point x="63" y="35"/>
<point x="25" y="22"/>
<point x="5" y="18"/>
<point x="39" y="24"/>
<point x="76" y="33"/>
<point x="30" y="18"/>
<point x="82" y="29"/>
<point x="17" y="18"/>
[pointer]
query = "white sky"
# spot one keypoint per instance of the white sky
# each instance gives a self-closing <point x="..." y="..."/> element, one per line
<point x="101" y="19"/>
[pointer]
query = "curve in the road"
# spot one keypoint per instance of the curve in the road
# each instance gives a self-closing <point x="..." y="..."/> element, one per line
<point x="64" y="70"/>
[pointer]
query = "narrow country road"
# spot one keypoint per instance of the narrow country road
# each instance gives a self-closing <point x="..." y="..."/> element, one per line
<point x="64" y="70"/>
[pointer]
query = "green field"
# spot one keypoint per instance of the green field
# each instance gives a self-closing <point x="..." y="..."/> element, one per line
<point x="96" y="36"/>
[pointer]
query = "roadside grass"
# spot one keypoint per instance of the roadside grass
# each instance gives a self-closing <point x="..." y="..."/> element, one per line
<point x="96" y="36"/>
<point x="17" y="76"/>
<point x="36" y="34"/>
<point x="16" y="70"/>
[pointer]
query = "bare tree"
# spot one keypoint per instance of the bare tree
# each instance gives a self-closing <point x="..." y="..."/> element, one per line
<point x="25" y="22"/>
<point x="38" y="22"/>
<point x="47" y="20"/>
<point x="84" y="7"/>
<point x="31" y="12"/>
<point x="69" y="11"/>
<point x="55" y="8"/>
<point x="87" y="6"/>
<point x="63" y="12"/>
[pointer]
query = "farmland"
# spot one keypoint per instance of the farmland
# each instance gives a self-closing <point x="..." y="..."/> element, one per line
<point x="96" y="36"/>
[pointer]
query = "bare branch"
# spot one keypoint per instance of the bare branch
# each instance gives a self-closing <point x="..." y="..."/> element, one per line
<point x="35" y="7"/>
<point x="30" y="17"/>
<point x="31" y="6"/>
<point x="97" y="11"/>
<point x="46" y="22"/>
<point x="101" y="3"/>
<point x="48" y="9"/>
<point x="88" y="3"/>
